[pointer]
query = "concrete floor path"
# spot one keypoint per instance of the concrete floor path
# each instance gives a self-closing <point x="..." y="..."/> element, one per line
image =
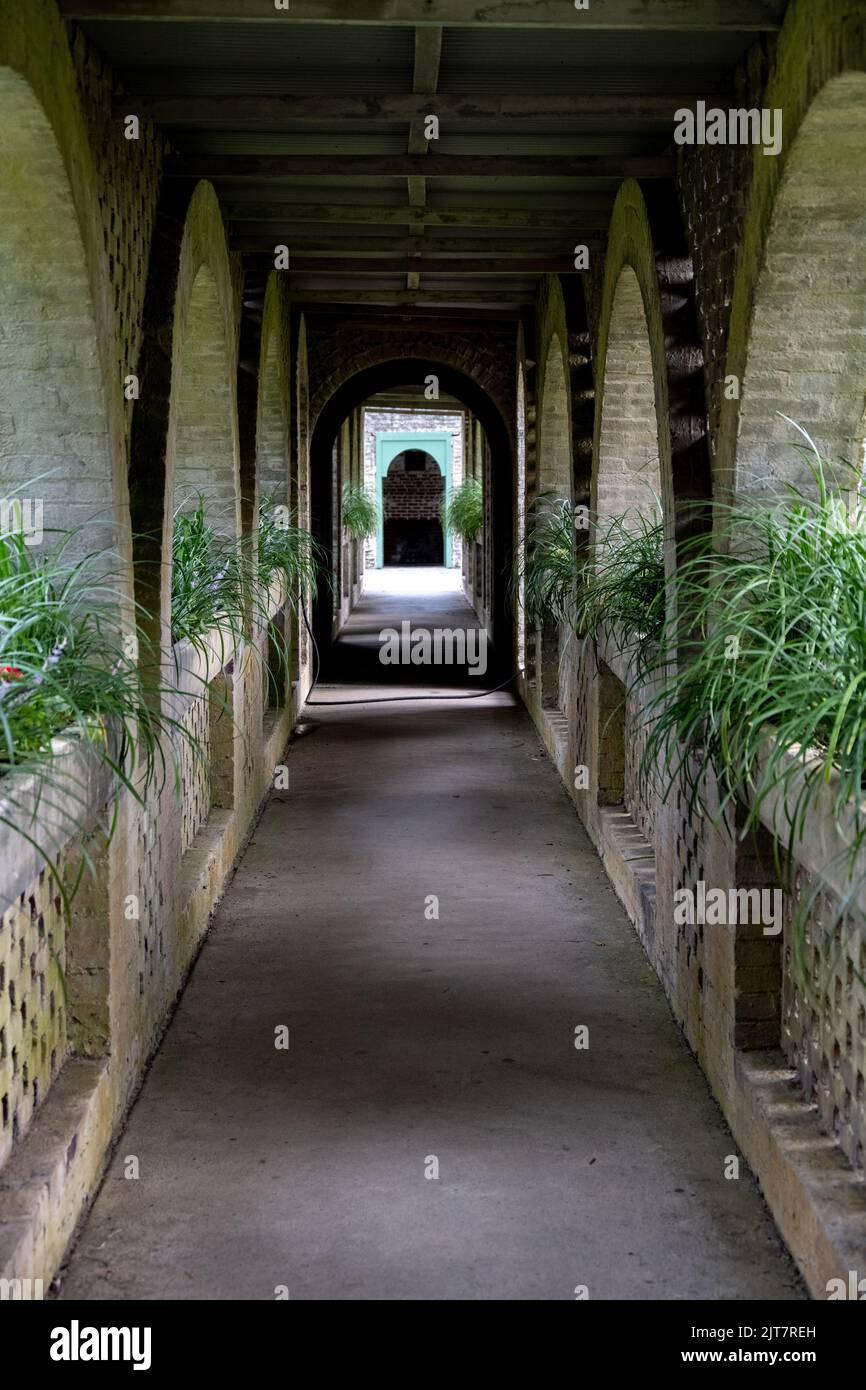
<point x="420" y="1045"/>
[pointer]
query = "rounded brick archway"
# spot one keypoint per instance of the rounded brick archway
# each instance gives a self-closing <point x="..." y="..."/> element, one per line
<point x="628" y="478"/>
<point x="56" y="467"/>
<point x="806" y="352"/>
<point x="647" y="321"/>
<point x="187" y="413"/>
<point x="800" y="245"/>
<point x="405" y="371"/>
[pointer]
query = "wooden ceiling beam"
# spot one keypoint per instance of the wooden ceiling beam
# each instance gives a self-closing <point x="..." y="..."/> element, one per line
<point x="694" y="15"/>
<point x="430" y="166"/>
<point x="578" y="220"/>
<point x="230" y="112"/>
<point x="428" y="55"/>
<point x="367" y="249"/>
<point x="425" y="265"/>
<point x="455" y="298"/>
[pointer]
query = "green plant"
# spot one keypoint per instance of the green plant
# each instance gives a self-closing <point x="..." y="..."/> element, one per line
<point x="547" y="568"/>
<point x="771" y="694"/>
<point x="622" y="588"/>
<point x="287" y="550"/>
<point x="210" y="578"/>
<point x="290" y="552"/>
<point x="359" y="513"/>
<point x="69" y="642"/>
<point x="464" y="513"/>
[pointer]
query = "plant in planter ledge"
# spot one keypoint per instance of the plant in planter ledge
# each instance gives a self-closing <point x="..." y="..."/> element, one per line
<point x="771" y="695"/>
<point x="219" y="582"/>
<point x="68" y="676"/>
<point x="210" y="579"/>
<point x="287" y="550"/>
<point x="358" y="512"/>
<point x="464" y="513"/>
<point x="621" y="591"/>
<point x="547" y="565"/>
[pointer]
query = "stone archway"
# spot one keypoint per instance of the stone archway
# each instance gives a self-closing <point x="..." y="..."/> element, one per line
<point x="797" y="349"/>
<point x="405" y="371"/>
<point x="806" y="351"/>
<point x="205" y="429"/>
<point x="816" y="81"/>
<point x="413" y="493"/>
<point x="55" y="450"/>
<point x="554" y="482"/>
<point x="520" y="540"/>
<point x="274" y="404"/>
<point x="647" y="238"/>
<point x="627" y="485"/>
<point x="61" y="483"/>
<point x="649" y="441"/>
<point x="628" y="478"/>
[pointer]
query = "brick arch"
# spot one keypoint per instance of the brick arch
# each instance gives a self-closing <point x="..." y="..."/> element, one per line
<point x="554" y="425"/>
<point x="820" y="40"/>
<point x="806" y="350"/>
<point x="274" y="403"/>
<point x="402" y="371"/>
<point x="189" y="330"/>
<point x="299" y="469"/>
<point x="61" y="398"/>
<point x="554" y="465"/>
<point x="628" y="477"/>
<point x="646" y="240"/>
<point x="554" y="461"/>
<point x="205" y="422"/>
<point x="488" y="359"/>
<point x="520" y="511"/>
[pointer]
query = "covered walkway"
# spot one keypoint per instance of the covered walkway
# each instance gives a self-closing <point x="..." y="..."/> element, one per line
<point x="414" y="1039"/>
<point x="528" y="962"/>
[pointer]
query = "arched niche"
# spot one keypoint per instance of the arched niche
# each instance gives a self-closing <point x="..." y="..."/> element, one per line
<point x="554" y="437"/>
<point x="806" y="351"/>
<point x="629" y="474"/>
<point x="554" y="482"/>
<point x="520" y="484"/>
<point x="206" y="461"/>
<point x="55" y="451"/>
<point x="406" y="371"/>
<point x="272" y="424"/>
<point x="413" y="488"/>
<point x="393" y="446"/>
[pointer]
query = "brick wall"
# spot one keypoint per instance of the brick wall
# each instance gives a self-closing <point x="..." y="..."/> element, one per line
<point x="110" y="299"/>
<point x="411" y="422"/>
<point x="753" y="271"/>
<point x="413" y="496"/>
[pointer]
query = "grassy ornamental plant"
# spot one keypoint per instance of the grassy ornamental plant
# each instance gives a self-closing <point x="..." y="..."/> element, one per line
<point x="772" y="697"/>
<point x="464" y="513"/>
<point x="287" y="550"/>
<point x="547" y="566"/>
<point x="359" y="513"/>
<point x="621" y="591"/>
<point x="220" y="582"/>
<point x="68" y="662"/>
<point x="210" y="581"/>
<point x="69" y="642"/>
<point x="69" y="647"/>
